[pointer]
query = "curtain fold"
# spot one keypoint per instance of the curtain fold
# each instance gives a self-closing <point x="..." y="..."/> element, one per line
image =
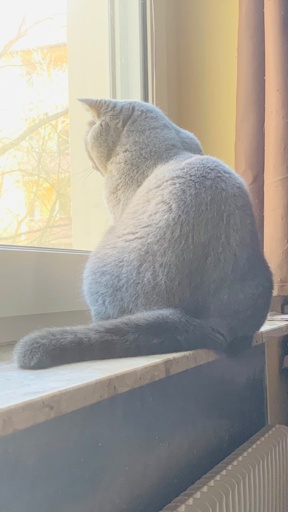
<point x="261" y="147"/>
<point x="250" y="103"/>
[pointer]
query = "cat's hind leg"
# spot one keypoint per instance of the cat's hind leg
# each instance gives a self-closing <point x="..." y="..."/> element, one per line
<point x="240" y="310"/>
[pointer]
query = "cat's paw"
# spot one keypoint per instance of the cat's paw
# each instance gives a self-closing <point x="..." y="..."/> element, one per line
<point x="37" y="350"/>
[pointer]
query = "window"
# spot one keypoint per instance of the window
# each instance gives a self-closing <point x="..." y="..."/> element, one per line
<point x="51" y="208"/>
<point x="42" y="189"/>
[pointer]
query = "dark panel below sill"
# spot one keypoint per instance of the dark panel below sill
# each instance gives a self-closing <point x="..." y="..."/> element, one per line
<point x="137" y="451"/>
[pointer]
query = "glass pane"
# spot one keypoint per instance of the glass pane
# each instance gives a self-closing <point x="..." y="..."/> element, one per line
<point x="40" y="197"/>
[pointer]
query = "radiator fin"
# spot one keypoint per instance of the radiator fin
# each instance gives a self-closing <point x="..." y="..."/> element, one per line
<point x="254" y="478"/>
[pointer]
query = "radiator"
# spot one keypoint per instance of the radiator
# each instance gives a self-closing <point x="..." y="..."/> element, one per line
<point x="254" y="478"/>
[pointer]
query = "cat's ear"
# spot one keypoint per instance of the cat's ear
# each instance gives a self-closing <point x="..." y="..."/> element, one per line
<point x="96" y="107"/>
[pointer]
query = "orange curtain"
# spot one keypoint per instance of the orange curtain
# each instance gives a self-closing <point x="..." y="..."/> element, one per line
<point x="261" y="148"/>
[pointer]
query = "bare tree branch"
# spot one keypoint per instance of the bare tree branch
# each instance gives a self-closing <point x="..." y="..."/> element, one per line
<point x="22" y="31"/>
<point x="40" y="177"/>
<point x="39" y="230"/>
<point x="42" y="122"/>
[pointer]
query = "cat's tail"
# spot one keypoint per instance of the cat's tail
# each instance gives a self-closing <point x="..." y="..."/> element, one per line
<point x="155" y="332"/>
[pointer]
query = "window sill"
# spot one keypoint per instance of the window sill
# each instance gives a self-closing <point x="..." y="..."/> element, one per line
<point x="28" y="398"/>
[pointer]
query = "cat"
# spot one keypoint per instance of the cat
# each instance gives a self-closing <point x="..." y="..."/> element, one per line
<point x="181" y="267"/>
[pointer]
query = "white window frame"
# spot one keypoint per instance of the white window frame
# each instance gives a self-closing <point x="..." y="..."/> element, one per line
<point x="42" y="287"/>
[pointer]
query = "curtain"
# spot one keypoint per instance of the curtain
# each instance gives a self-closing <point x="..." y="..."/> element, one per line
<point x="261" y="147"/>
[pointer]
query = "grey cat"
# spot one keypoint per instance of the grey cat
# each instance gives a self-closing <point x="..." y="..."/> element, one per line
<point x="181" y="268"/>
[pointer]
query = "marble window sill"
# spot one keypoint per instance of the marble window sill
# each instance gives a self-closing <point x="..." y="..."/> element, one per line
<point x="31" y="397"/>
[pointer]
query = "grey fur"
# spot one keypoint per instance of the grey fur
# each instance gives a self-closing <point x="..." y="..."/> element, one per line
<point x="181" y="267"/>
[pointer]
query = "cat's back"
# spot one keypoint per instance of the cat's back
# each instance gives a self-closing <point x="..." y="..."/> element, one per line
<point x="177" y="239"/>
<point x="190" y="208"/>
<point x="196" y="195"/>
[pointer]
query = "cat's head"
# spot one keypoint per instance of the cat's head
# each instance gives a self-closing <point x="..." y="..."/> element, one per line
<point x="105" y="129"/>
<point x="127" y="140"/>
<point x="119" y="127"/>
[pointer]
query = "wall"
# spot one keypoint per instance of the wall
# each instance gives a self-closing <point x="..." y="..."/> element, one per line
<point x="206" y="69"/>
